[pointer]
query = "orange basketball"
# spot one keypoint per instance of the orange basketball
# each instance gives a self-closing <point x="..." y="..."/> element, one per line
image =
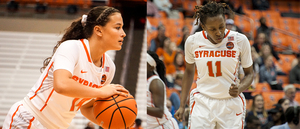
<point x="116" y="112"/>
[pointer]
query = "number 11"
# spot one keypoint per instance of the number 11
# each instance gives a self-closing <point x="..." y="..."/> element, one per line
<point x="210" y="70"/>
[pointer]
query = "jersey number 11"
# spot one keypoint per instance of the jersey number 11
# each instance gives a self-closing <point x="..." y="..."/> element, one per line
<point x="210" y="70"/>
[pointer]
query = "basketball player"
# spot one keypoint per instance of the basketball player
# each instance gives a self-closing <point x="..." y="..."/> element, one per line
<point x="217" y="101"/>
<point x="159" y="116"/>
<point x="74" y="75"/>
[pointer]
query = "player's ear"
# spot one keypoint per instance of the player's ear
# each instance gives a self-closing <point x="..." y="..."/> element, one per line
<point x="202" y="26"/>
<point x="98" y="30"/>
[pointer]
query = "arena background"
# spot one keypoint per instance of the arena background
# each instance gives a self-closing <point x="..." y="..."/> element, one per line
<point x="29" y="32"/>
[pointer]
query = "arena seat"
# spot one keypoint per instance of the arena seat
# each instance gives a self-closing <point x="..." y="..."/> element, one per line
<point x="282" y="79"/>
<point x="271" y="98"/>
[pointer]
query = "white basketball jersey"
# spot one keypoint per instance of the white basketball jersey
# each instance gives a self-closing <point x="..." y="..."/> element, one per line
<point x="217" y="64"/>
<point x="153" y="122"/>
<point x="54" y="110"/>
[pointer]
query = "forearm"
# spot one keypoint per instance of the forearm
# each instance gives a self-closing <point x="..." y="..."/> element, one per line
<point x="187" y="82"/>
<point x="89" y="114"/>
<point x="156" y="112"/>
<point x="246" y="82"/>
<point x="74" y="89"/>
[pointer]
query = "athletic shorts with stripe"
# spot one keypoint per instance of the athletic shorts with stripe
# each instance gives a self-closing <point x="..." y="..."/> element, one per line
<point x="210" y="113"/>
<point x="170" y="124"/>
<point x="19" y="118"/>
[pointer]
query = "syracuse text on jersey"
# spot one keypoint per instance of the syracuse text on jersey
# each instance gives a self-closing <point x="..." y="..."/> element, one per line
<point x="85" y="82"/>
<point x="215" y="53"/>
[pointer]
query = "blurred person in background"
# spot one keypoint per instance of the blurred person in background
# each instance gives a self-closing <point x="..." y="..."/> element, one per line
<point x="152" y="10"/>
<point x="252" y="122"/>
<point x="290" y="93"/>
<point x="159" y="40"/>
<point x="185" y="34"/>
<point x="257" y="109"/>
<point x="277" y="116"/>
<point x="262" y="39"/>
<point x="294" y="75"/>
<point x="284" y="102"/>
<point x="292" y="117"/>
<point x="268" y="73"/>
<point x="263" y="28"/>
<point x="260" y="4"/>
<point x="231" y="26"/>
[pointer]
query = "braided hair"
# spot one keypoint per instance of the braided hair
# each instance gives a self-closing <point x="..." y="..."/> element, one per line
<point x="211" y="9"/>
<point x="160" y="66"/>
<point x="78" y="30"/>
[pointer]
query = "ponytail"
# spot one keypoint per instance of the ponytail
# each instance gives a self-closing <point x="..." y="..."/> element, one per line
<point x="160" y="66"/>
<point x="83" y="27"/>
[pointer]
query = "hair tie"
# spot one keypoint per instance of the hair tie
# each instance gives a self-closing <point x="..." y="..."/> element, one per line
<point x="83" y="19"/>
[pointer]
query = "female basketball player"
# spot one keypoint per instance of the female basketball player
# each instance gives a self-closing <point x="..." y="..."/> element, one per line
<point x="72" y="77"/>
<point x="159" y="116"/>
<point x="217" y="102"/>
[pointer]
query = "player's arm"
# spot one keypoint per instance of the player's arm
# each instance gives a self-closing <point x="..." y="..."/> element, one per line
<point x="87" y="111"/>
<point x="157" y="89"/>
<point x="247" y="80"/>
<point x="65" y="85"/>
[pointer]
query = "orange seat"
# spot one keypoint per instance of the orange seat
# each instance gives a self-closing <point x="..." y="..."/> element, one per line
<point x="271" y="98"/>
<point x="286" y="62"/>
<point x="282" y="79"/>
<point x="287" y="24"/>
<point x="279" y="41"/>
<point x="189" y="6"/>
<point x="249" y="103"/>
<point x="295" y="43"/>
<point x="297" y="97"/>
<point x="189" y="22"/>
<point x="262" y="87"/>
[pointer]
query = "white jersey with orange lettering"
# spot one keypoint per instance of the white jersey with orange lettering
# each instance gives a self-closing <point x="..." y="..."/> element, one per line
<point x="217" y="64"/>
<point x="54" y="110"/>
<point x="167" y="121"/>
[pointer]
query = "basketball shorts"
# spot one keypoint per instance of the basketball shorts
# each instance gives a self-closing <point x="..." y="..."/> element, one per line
<point x="19" y="118"/>
<point x="210" y="113"/>
<point x="170" y="124"/>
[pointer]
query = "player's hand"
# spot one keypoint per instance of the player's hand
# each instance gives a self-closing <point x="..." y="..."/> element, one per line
<point x="234" y="90"/>
<point x="179" y="114"/>
<point x="113" y="89"/>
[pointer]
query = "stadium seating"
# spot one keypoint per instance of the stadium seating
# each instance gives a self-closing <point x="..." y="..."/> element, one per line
<point x="271" y="98"/>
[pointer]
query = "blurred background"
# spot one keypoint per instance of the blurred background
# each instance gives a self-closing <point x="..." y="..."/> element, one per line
<point x="29" y="29"/>
<point x="273" y="29"/>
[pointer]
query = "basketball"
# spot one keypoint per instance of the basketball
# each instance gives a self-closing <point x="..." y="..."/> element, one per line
<point x="116" y="112"/>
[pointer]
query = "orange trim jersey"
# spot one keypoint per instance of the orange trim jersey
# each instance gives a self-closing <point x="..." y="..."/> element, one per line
<point x="217" y="64"/>
<point x="154" y="122"/>
<point x="55" y="110"/>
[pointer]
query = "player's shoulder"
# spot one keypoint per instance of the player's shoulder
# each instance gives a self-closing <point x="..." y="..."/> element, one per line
<point x="241" y="38"/>
<point x="70" y="44"/>
<point x="198" y="36"/>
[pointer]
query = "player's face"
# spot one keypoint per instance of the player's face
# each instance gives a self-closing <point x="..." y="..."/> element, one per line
<point x="215" y="28"/>
<point x="113" y="33"/>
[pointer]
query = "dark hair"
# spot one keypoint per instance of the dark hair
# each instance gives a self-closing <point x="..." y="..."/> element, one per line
<point x="211" y="9"/>
<point x="290" y="114"/>
<point x="96" y="16"/>
<point x="160" y="66"/>
<point x="280" y="101"/>
<point x="251" y="118"/>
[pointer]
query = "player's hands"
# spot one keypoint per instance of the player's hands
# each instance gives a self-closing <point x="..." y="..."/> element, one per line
<point x="113" y="89"/>
<point x="179" y="113"/>
<point x="234" y="90"/>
